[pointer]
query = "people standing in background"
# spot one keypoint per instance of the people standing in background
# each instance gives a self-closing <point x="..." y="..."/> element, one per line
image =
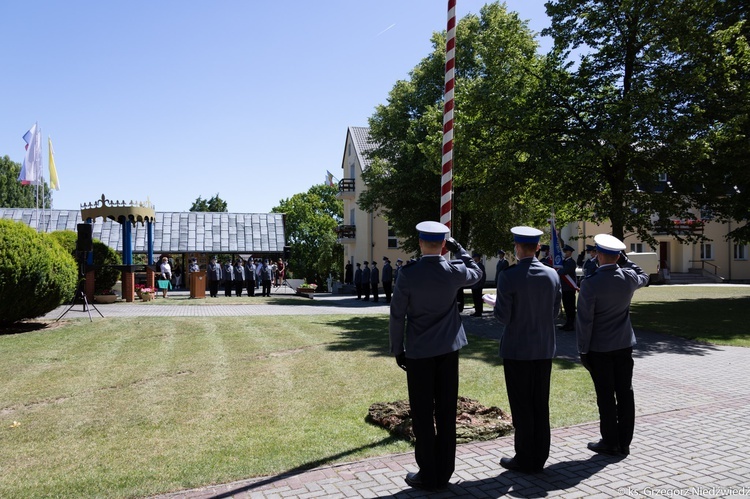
<point x="348" y="273"/>
<point x="399" y="266"/>
<point x="366" y="280"/>
<point x="478" y="287"/>
<point x="526" y="306"/>
<point x="569" y="287"/>
<point x="280" y="269"/>
<point x="590" y="265"/>
<point x="166" y="274"/>
<point x="250" y="276"/>
<point x="239" y="276"/>
<point x="426" y="335"/>
<point x="228" y="274"/>
<point x="266" y="274"/>
<point x="605" y="339"/>
<point x="502" y="263"/>
<point x="215" y="275"/>
<point x="374" y="280"/>
<point x="258" y="273"/>
<point x="358" y="281"/>
<point x="387" y="279"/>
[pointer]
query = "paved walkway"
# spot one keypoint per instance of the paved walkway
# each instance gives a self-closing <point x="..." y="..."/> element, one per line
<point x="692" y="429"/>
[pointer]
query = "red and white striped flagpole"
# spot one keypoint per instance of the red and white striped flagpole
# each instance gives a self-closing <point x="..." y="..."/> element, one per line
<point x="446" y="185"/>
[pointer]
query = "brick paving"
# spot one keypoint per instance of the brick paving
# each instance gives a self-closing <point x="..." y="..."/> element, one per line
<point x="692" y="429"/>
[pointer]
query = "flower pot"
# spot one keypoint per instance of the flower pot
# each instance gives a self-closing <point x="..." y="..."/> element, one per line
<point x="147" y="296"/>
<point x="105" y="298"/>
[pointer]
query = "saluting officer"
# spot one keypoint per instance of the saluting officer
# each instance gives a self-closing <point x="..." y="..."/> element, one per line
<point x="426" y="334"/>
<point x="590" y="265"/>
<point x="605" y="341"/>
<point x="527" y="303"/>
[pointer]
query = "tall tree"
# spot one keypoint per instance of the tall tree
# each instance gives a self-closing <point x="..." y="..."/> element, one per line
<point x="623" y="121"/>
<point x="215" y="204"/>
<point x="311" y="218"/>
<point x="495" y="76"/>
<point x="15" y="195"/>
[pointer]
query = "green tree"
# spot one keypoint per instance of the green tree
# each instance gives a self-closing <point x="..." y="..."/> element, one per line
<point x="15" y="195"/>
<point x="310" y="220"/>
<point x="634" y="109"/>
<point x="497" y="72"/>
<point x="214" y="205"/>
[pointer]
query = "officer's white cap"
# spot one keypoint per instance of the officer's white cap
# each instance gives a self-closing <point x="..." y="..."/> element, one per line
<point x="432" y="231"/>
<point x="608" y="244"/>
<point x="523" y="234"/>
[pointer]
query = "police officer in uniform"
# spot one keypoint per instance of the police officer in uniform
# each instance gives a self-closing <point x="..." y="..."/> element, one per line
<point x="358" y="281"/>
<point x="605" y="341"/>
<point x="527" y="303"/>
<point x="387" y="279"/>
<point x="590" y="265"/>
<point x="374" y="280"/>
<point x="425" y="336"/>
<point x="366" y="280"/>
<point x="568" y="279"/>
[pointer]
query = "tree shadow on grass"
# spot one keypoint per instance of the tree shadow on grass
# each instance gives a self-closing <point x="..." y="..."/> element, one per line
<point x="25" y="327"/>
<point x="303" y="468"/>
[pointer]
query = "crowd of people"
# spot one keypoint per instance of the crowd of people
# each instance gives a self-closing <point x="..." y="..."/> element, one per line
<point x="247" y="276"/>
<point x="426" y="334"/>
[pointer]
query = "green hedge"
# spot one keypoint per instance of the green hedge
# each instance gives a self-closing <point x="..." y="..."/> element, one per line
<point x="103" y="255"/>
<point x="36" y="273"/>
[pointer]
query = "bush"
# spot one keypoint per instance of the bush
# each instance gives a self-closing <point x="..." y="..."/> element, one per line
<point x="103" y="255"/>
<point x="36" y="273"/>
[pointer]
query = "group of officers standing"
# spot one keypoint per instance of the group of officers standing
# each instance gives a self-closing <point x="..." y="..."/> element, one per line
<point x="250" y="275"/>
<point x="426" y="334"/>
<point x="367" y="280"/>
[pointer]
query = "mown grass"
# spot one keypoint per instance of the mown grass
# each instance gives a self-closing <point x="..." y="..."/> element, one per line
<point x="136" y="407"/>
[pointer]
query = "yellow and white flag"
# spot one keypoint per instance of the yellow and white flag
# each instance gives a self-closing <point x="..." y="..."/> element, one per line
<point x="54" y="183"/>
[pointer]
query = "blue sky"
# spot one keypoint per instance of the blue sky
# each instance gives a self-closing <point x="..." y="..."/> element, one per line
<point x="171" y="100"/>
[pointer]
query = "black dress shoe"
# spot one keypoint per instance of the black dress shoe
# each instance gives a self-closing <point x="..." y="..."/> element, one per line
<point x="510" y="463"/>
<point x="415" y="480"/>
<point x="601" y="447"/>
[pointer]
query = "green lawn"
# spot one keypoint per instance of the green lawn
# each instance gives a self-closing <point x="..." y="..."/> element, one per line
<point x="141" y="406"/>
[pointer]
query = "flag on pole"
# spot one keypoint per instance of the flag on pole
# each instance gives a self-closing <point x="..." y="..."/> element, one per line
<point x="54" y="183"/>
<point x="329" y="178"/>
<point x="31" y="170"/>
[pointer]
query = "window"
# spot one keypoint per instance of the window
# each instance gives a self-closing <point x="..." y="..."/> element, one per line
<point x="636" y="247"/>
<point x="392" y="239"/>
<point x="349" y="152"/>
<point x="351" y="217"/>
<point x="707" y="251"/>
<point x="740" y="252"/>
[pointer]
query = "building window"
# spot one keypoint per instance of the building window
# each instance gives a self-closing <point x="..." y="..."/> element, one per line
<point x="349" y="152"/>
<point x="707" y="251"/>
<point x="740" y="252"/>
<point x="636" y="247"/>
<point x="392" y="239"/>
<point x="351" y="217"/>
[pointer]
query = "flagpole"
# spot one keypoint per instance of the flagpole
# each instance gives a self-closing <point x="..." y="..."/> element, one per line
<point x="446" y="187"/>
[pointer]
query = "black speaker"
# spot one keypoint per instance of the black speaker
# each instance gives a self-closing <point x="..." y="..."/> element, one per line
<point x="85" y="241"/>
<point x="287" y="252"/>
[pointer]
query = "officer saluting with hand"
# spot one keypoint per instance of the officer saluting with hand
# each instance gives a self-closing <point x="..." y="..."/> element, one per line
<point x="425" y="335"/>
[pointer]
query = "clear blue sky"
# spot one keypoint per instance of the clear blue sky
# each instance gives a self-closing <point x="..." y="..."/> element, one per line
<point x="171" y="100"/>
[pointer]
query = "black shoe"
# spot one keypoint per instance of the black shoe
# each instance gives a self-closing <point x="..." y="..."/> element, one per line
<point x="477" y="314"/>
<point x="625" y="451"/>
<point x="510" y="463"/>
<point x="602" y="447"/>
<point x="415" y="480"/>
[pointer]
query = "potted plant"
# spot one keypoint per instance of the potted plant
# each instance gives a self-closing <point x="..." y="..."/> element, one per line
<point x="147" y="294"/>
<point x="105" y="296"/>
<point x="306" y="289"/>
<point x="139" y="289"/>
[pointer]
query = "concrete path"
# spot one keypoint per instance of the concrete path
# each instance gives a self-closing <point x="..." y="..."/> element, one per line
<point x="692" y="435"/>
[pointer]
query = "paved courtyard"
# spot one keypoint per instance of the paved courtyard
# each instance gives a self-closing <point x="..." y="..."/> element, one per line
<point x="692" y="434"/>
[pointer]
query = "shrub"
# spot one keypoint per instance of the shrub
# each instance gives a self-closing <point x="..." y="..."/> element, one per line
<point x="105" y="278"/>
<point x="36" y="273"/>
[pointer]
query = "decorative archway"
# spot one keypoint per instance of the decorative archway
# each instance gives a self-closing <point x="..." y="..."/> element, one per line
<point x="127" y="215"/>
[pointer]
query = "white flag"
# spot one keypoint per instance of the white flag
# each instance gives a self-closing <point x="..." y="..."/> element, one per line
<point x="31" y="171"/>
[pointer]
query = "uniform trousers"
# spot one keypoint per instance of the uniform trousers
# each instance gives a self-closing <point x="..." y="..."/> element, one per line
<point x="476" y="295"/>
<point x="266" y="287"/>
<point x="374" y="292"/>
<point x="388" y="290"/>
<point x="227" y="288"/>
<point x="433" y="397"/>
<point x="358" y="285"/>
<point x="612" y="374"/>
<point x="569" y="304"/>
<point x="366" y="290"/>
<point x="213" y="288"/>
<point x="528" y="384"/>
<point x="238" y="285"/>
<point x="250" y="288"/>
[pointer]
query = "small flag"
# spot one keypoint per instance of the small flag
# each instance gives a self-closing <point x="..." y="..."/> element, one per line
<point x="329" y="178"/>
<point x="557" y="256"/>
<point x="54" y="183"/>
<point x="31" y="170"/>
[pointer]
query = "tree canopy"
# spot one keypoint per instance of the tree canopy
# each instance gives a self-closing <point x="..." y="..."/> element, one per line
<point x="311" y="218"/>
<point x="214" y="205"/>
<point x="15" y="195"/>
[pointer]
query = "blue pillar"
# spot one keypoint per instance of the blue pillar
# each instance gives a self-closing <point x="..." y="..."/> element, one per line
<point x="150" y="244"/>
<point x="127" y="244"/>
